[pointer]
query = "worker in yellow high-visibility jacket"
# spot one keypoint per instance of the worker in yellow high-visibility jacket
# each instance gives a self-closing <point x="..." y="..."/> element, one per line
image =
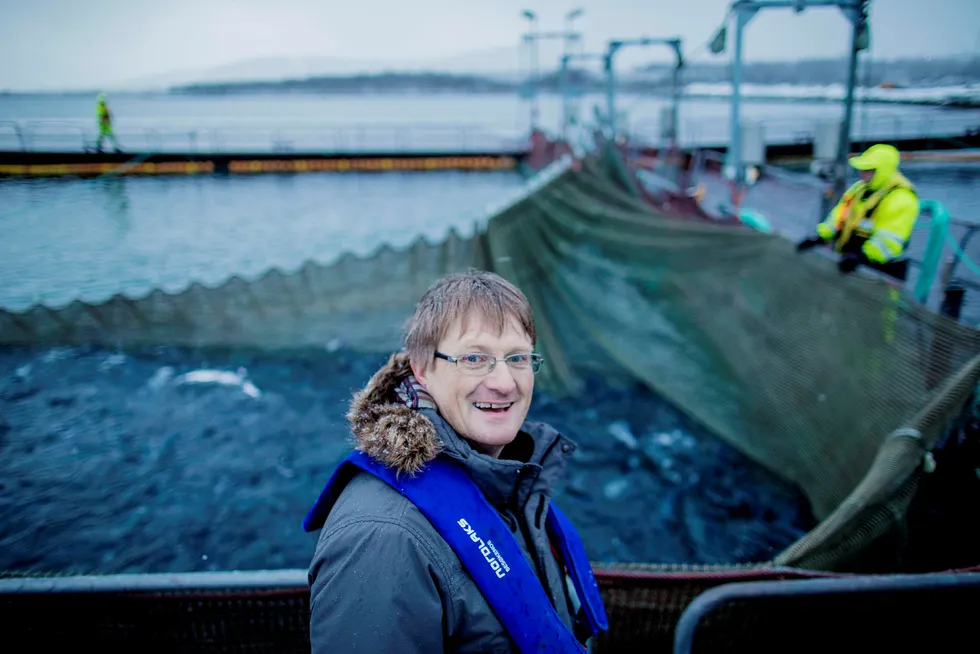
<point x="104" y="117"/>
<point x="873" y="222"/>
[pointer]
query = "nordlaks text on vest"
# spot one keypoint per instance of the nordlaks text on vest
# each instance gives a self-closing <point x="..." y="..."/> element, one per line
<point x="489" y="552"/>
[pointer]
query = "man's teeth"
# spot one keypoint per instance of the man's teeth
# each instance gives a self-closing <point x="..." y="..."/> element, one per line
<point x="487" y="405"/>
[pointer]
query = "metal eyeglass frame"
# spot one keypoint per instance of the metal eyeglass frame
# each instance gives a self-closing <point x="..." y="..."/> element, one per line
<point x="534" y="365"/>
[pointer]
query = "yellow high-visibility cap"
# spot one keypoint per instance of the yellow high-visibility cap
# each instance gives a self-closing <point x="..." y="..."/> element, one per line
<point x="877" y="157"/>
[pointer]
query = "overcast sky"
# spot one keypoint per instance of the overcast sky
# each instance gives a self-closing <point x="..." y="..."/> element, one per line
<point x="88" y="43"/>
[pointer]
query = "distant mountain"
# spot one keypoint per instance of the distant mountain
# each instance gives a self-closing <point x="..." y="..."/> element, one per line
<point x="498" y="63"/>
<point x="509" y="64"/>
<point x="380" y="83"/>
<point x="260" y="69"/>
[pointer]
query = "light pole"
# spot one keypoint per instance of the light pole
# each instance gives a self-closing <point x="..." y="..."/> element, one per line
<point x="569" y="17"/>
<point x="533" y="37"/>
<point x="532" y="45"/>
<point x="612" y="49"/>
<point x="565" y="86"/>
<point x="859" y="41"/>
<point x="566" y="52"/>
<point x="856" y="11"/>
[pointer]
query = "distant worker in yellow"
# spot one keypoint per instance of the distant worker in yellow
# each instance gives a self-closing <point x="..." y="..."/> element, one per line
<point x="873" y="222"/>
<point x="105" y="124"/>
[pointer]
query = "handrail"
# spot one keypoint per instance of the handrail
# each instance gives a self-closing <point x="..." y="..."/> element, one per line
<point x="714" y="600"/>
<point x="959" y="252"/>
<point x="18" y="130"/>
<point x="31" y="128"/>
<point x="803" y="130"/>
<point x="308" y="136"/>
<point x="938" y="235"/>
<point x="467" y="134"/>
<point x="155" y="582"/>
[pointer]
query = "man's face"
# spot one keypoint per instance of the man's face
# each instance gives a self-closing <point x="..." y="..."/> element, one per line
<point x="866" y="175"/>
<point x="457" y="392"/>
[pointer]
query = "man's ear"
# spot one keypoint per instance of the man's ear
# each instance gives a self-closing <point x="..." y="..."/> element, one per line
<point x="420" y="373"/>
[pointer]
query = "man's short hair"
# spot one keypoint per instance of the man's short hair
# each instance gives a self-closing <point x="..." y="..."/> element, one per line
<point x="460" y="296"/>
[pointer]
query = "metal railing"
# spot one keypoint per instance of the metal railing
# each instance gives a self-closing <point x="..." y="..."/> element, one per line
<point x="79" y="136"/>
<point x="890" y="611"/>
<point x="76" y="136"/>
<point x="16" y="129"/>
<point x="959" y="257"/>
<point x="700" y="132"/>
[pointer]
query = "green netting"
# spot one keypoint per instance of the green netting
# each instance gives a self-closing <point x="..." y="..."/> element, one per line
<point x="801" y="368"/>
<point x="809" y="372"/>
<point x="361" y="302"/>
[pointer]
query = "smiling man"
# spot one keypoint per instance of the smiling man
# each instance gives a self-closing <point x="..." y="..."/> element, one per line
<point x="439" y="534"/>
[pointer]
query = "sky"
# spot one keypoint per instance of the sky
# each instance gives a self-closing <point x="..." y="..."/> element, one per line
<point x="85" y="44"/>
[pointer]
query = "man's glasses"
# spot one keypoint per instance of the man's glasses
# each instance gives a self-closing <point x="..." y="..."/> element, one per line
<point x="476" y="363"/>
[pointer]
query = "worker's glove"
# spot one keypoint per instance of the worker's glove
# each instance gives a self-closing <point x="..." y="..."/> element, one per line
<point x="825" y="231"/>
<point x="808" y="243"/>
<point x="849" y="262"/>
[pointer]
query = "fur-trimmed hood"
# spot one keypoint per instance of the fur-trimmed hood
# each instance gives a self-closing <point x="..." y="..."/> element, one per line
<point x="387" y="430"/>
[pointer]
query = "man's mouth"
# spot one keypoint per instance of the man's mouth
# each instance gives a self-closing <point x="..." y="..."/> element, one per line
<point x="493" y="407"/>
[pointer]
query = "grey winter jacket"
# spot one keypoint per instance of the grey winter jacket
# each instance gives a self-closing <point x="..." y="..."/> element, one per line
<point x="382" y="579"/>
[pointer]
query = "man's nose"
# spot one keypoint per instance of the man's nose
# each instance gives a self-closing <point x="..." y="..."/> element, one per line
<point x="501" y="378"/>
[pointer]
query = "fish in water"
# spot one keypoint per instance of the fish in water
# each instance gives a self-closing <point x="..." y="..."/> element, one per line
<point x="223" y="377"/>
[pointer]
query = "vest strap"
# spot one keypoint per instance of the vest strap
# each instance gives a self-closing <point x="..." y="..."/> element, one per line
<point x="452" y="502"/>
<point x="580" y="569"/>
<point x="858" y="219"/>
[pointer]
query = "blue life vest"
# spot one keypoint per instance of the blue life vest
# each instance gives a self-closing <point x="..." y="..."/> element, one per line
<point x="452" y="502"/>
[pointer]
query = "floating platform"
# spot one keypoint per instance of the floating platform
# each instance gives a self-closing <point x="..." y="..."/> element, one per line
<point x="50" y="164"/>
<point x="959" y="148"/>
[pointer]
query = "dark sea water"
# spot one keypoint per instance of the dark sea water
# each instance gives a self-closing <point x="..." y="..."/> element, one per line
<point x="109" y="464"/>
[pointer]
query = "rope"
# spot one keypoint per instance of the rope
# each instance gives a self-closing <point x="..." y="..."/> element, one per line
<point x="962" y="256"/>
<point x="700" y="52"/>
<point x="657" y="82"/>
<point x="118" y="170"/>
<point x="125" y="166"/>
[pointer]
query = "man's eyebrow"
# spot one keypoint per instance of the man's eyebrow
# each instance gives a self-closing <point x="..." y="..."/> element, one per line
<point x="478" y="346"/>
